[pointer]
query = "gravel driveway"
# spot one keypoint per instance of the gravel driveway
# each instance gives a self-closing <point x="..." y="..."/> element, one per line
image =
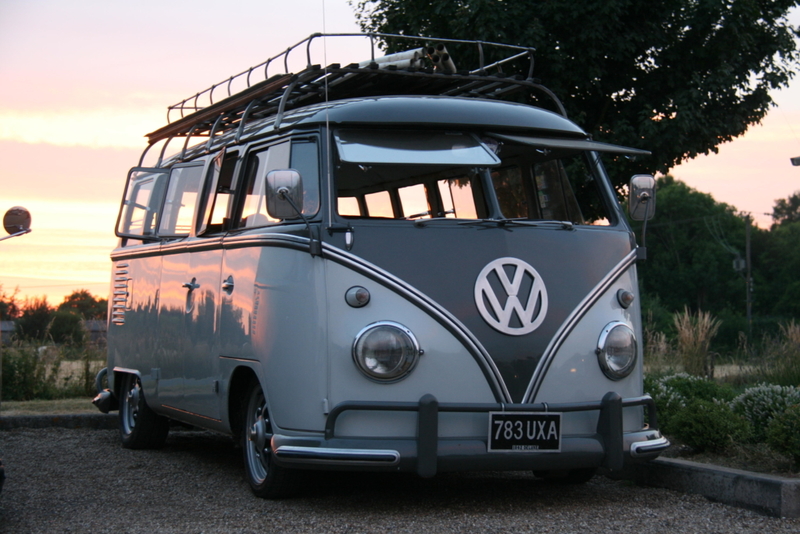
<point x="63" y="480"/>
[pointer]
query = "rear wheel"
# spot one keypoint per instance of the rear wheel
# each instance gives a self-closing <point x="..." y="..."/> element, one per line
<point x="266" y="479"/>
<point x="139" y="426"/>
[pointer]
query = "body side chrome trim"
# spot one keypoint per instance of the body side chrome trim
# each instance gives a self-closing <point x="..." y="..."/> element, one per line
<point x="168" y="407"/>
<point x="435" y="310"/>
<point x="571" y="322"/>
<point x="329" y="456"/>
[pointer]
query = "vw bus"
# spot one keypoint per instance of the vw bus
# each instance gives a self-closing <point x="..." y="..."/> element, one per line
<point x="387" y="266"/>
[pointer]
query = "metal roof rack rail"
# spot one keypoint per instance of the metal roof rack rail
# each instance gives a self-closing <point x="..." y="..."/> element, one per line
<point x="426" y="70"/>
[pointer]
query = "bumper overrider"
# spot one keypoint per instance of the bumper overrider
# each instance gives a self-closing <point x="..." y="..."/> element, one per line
<point x="609" y="447"/>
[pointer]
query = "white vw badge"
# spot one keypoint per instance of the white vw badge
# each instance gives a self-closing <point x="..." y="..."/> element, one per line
<point x="511" y="296"/>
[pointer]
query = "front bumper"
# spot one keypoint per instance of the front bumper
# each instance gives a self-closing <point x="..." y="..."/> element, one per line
<point x="428" y="454"/>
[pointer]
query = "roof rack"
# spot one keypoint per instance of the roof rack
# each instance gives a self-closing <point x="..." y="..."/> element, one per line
<point x="427" y="70"/>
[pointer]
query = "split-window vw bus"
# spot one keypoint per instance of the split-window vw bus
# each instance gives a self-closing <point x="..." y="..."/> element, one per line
<point x="387" y="266"/>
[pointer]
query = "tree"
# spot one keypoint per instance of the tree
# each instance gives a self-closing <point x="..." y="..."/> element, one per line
<point x="9" y="308"/>
<point x="677" y="77"/>
<point x="691" y="245"/>
<point x="787" y="210"/>
<point x="34" y="321"/>
<point x="83" y="304"/>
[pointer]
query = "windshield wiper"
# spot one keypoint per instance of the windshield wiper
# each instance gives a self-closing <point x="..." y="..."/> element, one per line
<point x="564" y="225"/>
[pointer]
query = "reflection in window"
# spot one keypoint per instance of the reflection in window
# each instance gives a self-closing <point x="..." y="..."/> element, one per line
<point x="511" y="194"/>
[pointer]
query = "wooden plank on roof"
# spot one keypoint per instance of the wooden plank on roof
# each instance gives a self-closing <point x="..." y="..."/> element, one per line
<point x="210" y="113"/>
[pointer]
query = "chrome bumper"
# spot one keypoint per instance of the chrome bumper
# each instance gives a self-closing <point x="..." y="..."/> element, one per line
<point x="428" y="454"/>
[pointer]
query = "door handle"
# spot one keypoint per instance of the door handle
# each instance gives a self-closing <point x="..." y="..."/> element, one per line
<point x="227" y="285"/>
<point x="191" y="286"/>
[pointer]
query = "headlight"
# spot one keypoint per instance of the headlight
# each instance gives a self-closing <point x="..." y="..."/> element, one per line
<point x="386" y="351"/>
<point x="616" y="350"/>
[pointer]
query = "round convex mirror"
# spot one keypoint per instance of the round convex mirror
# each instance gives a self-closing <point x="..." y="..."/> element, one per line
<point x="17" y="219"/>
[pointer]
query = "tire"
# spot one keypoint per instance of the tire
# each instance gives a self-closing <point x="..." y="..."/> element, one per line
<point x="139" y="426"/>
<point x="267" y="480"/>
<point x="572" y="476"/>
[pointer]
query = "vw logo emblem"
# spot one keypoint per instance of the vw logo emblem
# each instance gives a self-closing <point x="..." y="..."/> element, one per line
<point x="511" y="296"/>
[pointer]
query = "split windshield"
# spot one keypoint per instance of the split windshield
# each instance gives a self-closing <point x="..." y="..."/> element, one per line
<point x="412" y="175"/>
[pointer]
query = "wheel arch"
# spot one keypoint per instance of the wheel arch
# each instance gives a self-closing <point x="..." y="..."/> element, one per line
<point x="238" y="388"/>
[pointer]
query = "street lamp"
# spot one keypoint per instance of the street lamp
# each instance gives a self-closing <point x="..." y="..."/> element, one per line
<point x="796" y="161"/>
<point x="17" y="222"/>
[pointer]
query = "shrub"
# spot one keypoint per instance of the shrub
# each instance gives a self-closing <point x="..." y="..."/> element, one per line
<point x="672" y="393"/>
<point x="760" y="404"/>
<point x="783" y="433"/>
<point x="27" y="374"/>
<point x="709" y="426"/>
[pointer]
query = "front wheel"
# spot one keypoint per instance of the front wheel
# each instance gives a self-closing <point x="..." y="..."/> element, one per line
<point x="267" y="480"/>
<point x="139" y="426"/>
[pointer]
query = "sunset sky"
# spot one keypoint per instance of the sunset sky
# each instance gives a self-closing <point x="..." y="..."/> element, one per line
<point x="82" y="82"/>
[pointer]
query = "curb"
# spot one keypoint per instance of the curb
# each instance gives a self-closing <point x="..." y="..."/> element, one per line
<point x="767" y="494"/>
<point x="91" y="421"/>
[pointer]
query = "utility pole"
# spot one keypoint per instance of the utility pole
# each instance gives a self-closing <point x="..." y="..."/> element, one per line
<point x="749" y="278"/>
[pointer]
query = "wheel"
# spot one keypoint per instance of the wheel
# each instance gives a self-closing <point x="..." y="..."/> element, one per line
<point x="139" y="426"/>
<point x="571" y="476"/>
<point x="267" y="480"/>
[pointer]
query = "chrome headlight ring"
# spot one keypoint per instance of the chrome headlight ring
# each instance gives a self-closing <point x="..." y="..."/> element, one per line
<point x="617" y="350"/>
<point x="386" y="351"/>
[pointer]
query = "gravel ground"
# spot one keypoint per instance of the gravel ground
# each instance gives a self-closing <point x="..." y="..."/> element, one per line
<point x="63" y="480"/>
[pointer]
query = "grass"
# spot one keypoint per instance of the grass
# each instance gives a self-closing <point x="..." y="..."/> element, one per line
<point x="47" y="407"/>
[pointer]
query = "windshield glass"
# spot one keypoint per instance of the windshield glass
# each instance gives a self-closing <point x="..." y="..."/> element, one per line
<point x="395" y="175"/>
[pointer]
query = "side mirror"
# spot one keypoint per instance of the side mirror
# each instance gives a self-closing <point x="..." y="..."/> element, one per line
<point x="284" y="194"/>
<point x="642" y="197"/>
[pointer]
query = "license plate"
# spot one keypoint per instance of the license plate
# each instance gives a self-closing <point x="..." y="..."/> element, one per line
<point x="524" y="432"/>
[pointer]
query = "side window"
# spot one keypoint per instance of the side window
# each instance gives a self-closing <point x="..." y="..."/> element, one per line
<point x="458" y="200"/>
<point x="254" y="205"/>
<point x="556" y="199"/>
<point x="138" y="215"/>
<point x="218" y="193"/>
<point x="179" y="206"/>
<point x="305" y="160"/>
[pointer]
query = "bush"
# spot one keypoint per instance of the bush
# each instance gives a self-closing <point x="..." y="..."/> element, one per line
<point x="783" y="433"/>
<point x="709" y="426"/>
<point x="760" y="404"/>
<point x="31" y="372"/>
<point x="672" y="393"/>
<point x="29" y="375"/>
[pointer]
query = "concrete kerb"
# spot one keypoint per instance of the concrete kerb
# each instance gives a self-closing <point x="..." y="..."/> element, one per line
<point x="767" y="494"/>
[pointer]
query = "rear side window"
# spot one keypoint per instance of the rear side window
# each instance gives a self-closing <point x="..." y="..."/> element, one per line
<point x="177" y="215"/>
